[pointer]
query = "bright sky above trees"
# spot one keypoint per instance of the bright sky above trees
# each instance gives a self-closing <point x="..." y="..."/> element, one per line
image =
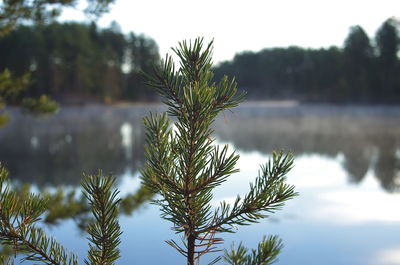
<point x="247" y="25"/>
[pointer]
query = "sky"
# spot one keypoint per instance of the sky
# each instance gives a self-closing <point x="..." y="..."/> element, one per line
<point x="250" y="25"/>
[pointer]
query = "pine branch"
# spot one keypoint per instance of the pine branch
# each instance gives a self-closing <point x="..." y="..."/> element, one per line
<point x="195" y="61"/>
<point x="104" y="231"/>
<point x="43" y="248"/>
<point x="265" y="254"/>
<point x="168" y="83"/>
<point x="17" y="218"/>
<point x="219" y="168"/>
<point x="268" y="194"/>
<point x="133" y="201"/>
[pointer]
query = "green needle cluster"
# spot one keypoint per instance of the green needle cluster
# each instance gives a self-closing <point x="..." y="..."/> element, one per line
<point x="18" y="217"/>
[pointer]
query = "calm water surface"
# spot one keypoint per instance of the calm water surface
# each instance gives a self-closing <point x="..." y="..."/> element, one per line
<point x="346" y="170"/>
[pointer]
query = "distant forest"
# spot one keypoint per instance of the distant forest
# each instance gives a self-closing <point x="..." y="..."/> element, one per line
<point x="79" y="63"/>
<point x="364" y="71"/>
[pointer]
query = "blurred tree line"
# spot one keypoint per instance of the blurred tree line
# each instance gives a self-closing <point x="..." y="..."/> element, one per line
<point x="363" y="71"/>
<point x="15" y="12"/>
<point x="75" y="62"/>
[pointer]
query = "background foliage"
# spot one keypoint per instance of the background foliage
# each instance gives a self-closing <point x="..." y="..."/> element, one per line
<point x="79" y="62"/>
<point x="363" y="71"/>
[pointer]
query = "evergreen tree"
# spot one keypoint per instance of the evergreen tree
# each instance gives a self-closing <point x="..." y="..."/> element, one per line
<point x="388" y="44"/>
<point x="12" y="87"/>
<point x="184" y="166"/>
<point x="76" y="61"/>
<point x="15" y="12"/>
<point x="358" y="55"/>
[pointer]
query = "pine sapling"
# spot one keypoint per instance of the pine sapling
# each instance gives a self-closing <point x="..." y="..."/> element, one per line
<point x="184" y="165"/>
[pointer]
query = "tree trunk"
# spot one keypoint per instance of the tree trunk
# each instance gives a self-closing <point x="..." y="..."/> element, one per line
<point x="190" y="256"/>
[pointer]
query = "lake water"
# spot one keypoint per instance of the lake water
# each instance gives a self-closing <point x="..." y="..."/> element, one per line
<point x="347" y="162"/>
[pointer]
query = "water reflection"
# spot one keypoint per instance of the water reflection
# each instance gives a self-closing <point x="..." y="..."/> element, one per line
<point x="368" y="138"/>
<point x="389" y="256"/>
<point x="57" y="150"/>
<point x="330" y="223"/>
<point x="126" y="134"/>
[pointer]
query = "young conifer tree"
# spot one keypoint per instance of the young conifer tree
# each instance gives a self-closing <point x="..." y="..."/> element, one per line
<point x="184" y="165"/>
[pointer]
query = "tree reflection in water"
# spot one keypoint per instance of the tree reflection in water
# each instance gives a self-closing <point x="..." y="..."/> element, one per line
<point x="367" y="137"/>
<point x="58" y="149"/>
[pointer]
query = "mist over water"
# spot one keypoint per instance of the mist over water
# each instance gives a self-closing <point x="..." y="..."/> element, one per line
<point x="346" y="170"/>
